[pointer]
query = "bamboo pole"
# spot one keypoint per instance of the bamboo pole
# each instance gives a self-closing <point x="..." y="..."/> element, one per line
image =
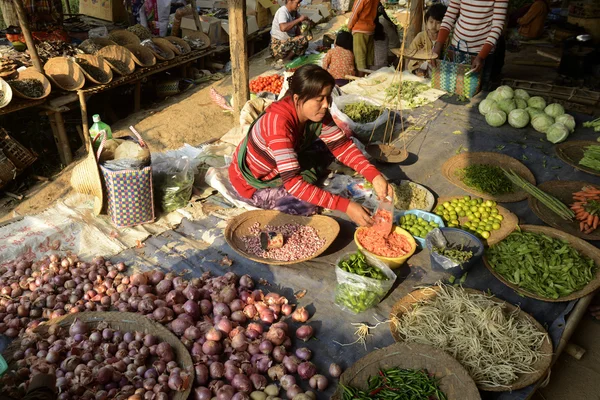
<point x="28" y="38"/>
<point x="68" y="4"/>
<point x="416" y="20"/>
<point x="240" y="73"/>
<point x="195" y="15"/>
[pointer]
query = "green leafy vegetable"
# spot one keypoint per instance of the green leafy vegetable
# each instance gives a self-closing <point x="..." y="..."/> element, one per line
<point x="362" y="112"/>
<point x="486" y="179"/>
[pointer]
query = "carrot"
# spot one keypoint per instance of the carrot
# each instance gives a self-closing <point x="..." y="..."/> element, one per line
<point x="580" y="193"/>
<point x="595" y="222"/>
<point x="580" y="198"/>
<point x="581" y="226"/>
<point x="577" y="208"/>
<point x="590" y="219"/>
<point x="591" y="189"/>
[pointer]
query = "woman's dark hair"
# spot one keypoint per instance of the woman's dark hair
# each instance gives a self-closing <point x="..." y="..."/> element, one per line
<point x="436" y="11"/>
<point x="344" y="40"/>
<point x="308" y="82"/>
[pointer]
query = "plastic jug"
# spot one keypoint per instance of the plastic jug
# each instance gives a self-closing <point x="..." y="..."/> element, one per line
<point x="98" y="130"/>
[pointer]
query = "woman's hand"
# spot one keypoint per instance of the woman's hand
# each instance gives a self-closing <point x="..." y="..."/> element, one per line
<point x="358" y="214"/>
<point x="477" y="64"/>
<point x="382" y="188"/>
<point x="437" y="50"/>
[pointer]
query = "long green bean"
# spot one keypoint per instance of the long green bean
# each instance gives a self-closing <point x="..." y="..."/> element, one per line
<point x="591" y="157"/>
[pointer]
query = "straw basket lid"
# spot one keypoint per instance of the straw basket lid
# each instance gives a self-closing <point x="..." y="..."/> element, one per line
<point x="540" y="366"/>
<point x="99" y="63"/>
<point x="142" y="56"/>
<point x="65" y="73"/>
<point x="123" y="37"/>
<point x="454" y="380"/>
<point x="6" y="93"/>
<point x="118" y="53"/>
<point x="91" y="46"/>
<point x="123" y="321"/>
<point x="327" y="228"/>
<point x="32" y="73"/>
<point x="165" y="47"/>
<point x="180" y="46"/>
<point x="193" y="35"/>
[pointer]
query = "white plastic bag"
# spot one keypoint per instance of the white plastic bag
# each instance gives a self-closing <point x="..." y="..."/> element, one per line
<point x="361" y="131"/>
<point x="173" y="182"/>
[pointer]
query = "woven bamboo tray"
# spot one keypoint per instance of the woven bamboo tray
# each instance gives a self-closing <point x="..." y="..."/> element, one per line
<point x="142" y="56"/>
<point x="32" y="73"/>
<point x="87" y="44"/>
<point x="508" y="224"/>
<point x="563" y="191"/>
<point x="123" y="321"/>
<point x="123" y="37"/>
<point x="541" y="366"/>
<point x="454" y="380"/>
<point x="571" y="152"/>
<point x="198" y="35"/>
<point x="451" y="168"/>
<point x="121" y="54"/>
<point x="99" y="63"/>
<point x="6" y="93"/>
<point x="387" y="154"/>
<point x="18" y="154"/>
<point x="166" y="47"/>
<point x="580" y="245"/>
<point x="65" y="73"/>
<point x="180" y="46"/>
<point x="327" y="228"/>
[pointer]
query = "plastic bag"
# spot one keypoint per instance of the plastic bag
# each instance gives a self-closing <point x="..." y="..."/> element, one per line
<point x="355" y="293"/>
<point x="173" y="182"/>
<point x="361" y="131"/>
<point x="436" y="238"/>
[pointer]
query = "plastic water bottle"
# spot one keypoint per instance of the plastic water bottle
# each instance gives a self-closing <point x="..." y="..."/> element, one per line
<point x="98" y="130"/>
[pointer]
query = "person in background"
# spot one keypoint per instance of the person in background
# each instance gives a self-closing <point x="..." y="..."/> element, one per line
<point x="286" y="40"/>
<point x="426" y="39"/>
<point x="380" y="39"/>
<point x="42" y="386"/>
<point x="531" y="25"/>
<point x="44" y="14"/>
<point x="339" y="61"/>
<point x="362" y="26"/>
<point x="477" y="25"/>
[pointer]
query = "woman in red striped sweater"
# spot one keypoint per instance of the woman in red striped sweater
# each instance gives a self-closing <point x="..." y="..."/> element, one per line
<point x="479" y="25"/>
<point x="289" y="147"/>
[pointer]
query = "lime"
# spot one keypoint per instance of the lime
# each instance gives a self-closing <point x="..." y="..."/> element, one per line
<point x="485" y="214"/>
<point x="495" y="226"/>
<point x="489" y="203"/>
<point x="461" y="213"/>
<point x="446" y="204"/>
<point x="494" y="211"/>
<point x="499" y="217"/>
<point x="454" y="221"/>
<point x="485" y="234"/>
<point x="477" y="214"/>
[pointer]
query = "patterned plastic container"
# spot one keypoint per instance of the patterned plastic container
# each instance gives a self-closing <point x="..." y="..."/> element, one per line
<point x="422" y="214"/>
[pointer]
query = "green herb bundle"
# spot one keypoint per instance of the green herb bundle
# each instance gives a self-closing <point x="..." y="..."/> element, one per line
<point x="362" y="112"/>
<point x="458" y="255"/>
<point x="591" y="158"/>
<point x="486" y="179"/>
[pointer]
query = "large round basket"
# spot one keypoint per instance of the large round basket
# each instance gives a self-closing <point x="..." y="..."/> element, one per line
<point x="197" y="40"/>
<point x="451" y="170"/>
<point x="571" y="152"/>
<point x="541" y="366"/>
<point x="580" y="245"/>
<point x="6" y="93"/>
<point x="124" y="321"/>
<point x="386" y="153"/>
<point x="454" y="380"/>
<point x="508" y="224"/>
<point x="32" y="73"/>
<point x="180" y="46"/>
<point x="142" y="56"/>
<point x="93" y="45"/>
<point x="327" y="228"/>
<point x="65" y="73"/>
<point x="119" y="58"/>
<point x="123" y="37"/>
<point x="104" y="74"/>
<point x="166" y="53"/>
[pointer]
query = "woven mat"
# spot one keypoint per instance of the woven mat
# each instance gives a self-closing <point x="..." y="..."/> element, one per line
<point x="572" y="151"/>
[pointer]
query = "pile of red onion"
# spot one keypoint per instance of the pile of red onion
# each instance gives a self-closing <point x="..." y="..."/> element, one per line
<point x="230" y="328"/>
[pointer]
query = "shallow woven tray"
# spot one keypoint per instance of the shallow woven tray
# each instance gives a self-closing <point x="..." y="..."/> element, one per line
<point x="199" y="35"/>
<point x="572" y="151"/>
<point x="142" y="56"/>
<point x="541" y="366"/>
<point x="98" y="41"/>
<point x="507" y="225"/>
<point x="580" y="245"/>
<point x="123" y="321"/>
<point x="32" y="73"/>
<point x="65" y="73"/>
<point x="7" y="93"/>
<point x="327" y="228"/>
<point x="563" y="191"/>
<point x="166" y="47"/>
<point x="454" y="379"/>
<point x="123" y="37"/>
<point x="451" y="167"/>
<point x="99" y="63"/>
<point x="180" y="42"/>
<point x="387" y="154"/>
<point x="119" y="53"/>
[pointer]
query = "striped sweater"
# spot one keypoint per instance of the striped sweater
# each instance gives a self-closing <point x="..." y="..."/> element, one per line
<point x="479" y="23"/>
<point x="271" y="151"/>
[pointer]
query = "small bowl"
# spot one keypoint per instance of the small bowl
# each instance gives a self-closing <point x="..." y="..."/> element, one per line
<point x="455" y="236"/>
<point x="391" y="262"/>
<point x="422" y="214"/>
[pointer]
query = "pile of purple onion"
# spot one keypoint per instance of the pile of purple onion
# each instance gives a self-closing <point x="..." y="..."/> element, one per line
<point x="231" y="329"/>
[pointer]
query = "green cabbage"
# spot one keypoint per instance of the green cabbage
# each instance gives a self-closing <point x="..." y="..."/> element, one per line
<point x="533" y="111"/>
<point x="507" y="105"/>
<point x="521" y="94"/>
<point x="518" y="118"/>
<point x="554" y="110"/>
<point x="492" y="96"/>
<point x="522" y="104"/>
<point x="537" y="102"/>
<point x="504" y="93"/>
<point x="541" y="122"/>
<point x="557" y="133"/>
<point x="495" y="118"/>
<point x="487" y="105"/>
<point x="567" y="120"/>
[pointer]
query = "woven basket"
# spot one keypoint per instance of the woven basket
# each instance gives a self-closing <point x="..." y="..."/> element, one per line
<point x="142" y="56"/>
<point x="123" y="321"/>
<point x="99" y="63"/>
<point x="65" y="73"/>
<point x="20" y="156"/>
<point x="327" y="228"/>
<point x="32" y="73"/>
<point x="121" y="54"/>
<point x="8" y="171"/>
<point x="6" y="93"/>
<point x="123" y="37"/>
<point x="572" y="151"/>
<point x="167" y="88"/>
<point x="165" y="46"/>
<point x="540" y="367"/>
<point x="457" y="385"/>
<point x="95" y="42"/>
<point x="198" y="35"/>
<point x="180" y="46"/>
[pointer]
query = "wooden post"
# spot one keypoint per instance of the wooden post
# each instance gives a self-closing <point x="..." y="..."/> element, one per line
<point x="28" y="38"/>
<point x="415" y="21"/>
<point x="68" y="7"/>
<point x="238" y="47"/>
<point x="195" y="14"/>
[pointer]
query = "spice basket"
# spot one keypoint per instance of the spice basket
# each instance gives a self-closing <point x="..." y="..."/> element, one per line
<point x="100" y="64"/>
<point x="20" y="156"/>
<point x="165" y="47"/>
<point x="120" y="54"/>
<point x="92" y="46"/>
<point x="32" y="73"/>
<point x="64" y="73"/>
<point x="8" y="172"/>
<point x="421" y="214"/>
<point x="180" y="45"/>
<point x="123" y="37"/>
<point x="142" y="56"/>
<point x="456" y="237"/>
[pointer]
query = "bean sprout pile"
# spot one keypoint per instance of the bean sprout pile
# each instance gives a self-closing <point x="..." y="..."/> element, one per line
<point x="300" y="242"/>
<point x="494" y="345"/>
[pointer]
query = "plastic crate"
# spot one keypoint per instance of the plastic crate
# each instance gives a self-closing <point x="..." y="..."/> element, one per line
<point x="422" y="214"/>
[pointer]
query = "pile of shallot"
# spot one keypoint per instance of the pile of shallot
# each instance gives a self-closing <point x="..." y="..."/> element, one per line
<point x="98" y="364"/>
